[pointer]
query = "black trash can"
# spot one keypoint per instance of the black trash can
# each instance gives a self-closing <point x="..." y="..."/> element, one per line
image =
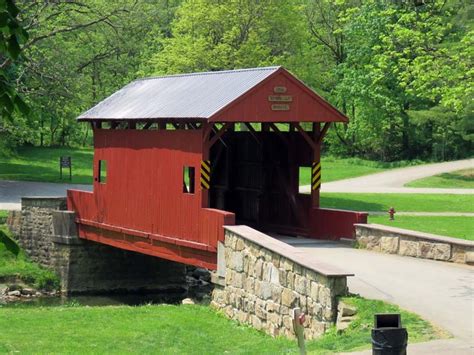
<point x="388" y="336"/>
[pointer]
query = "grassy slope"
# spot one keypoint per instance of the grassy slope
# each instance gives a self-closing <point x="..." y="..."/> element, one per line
<point x="461" y="179"/>
<point x="401" y="202"/>
<point x="337" y="168"/>
<point x="42" y="164"/>
<point x="14" y="264"/>
<point x="172" y="329"/>
<point x="457" y="227"/>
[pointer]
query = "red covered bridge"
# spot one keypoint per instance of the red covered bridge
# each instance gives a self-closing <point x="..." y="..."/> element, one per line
<point x="178" y="157"/>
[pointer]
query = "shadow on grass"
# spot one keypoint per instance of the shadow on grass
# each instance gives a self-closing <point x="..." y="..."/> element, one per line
<point x="350" y="204"/>
<point x="9" y="243"/>
<point x="458" y="177"/>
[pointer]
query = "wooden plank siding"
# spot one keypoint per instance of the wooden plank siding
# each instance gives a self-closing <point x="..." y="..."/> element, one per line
<point x="143" y="197"/>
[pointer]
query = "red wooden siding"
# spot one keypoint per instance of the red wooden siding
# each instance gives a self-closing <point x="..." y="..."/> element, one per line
<point x="143" y="196"/>
<point x="254" y="106"/>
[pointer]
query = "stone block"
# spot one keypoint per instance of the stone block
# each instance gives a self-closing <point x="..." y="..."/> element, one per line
<point x="256" y="322"/>
<point x="314" y="291"/>
<point x="260" y="310"/>
<point x="286" y="264"/>
<point x="237" y="261"/>
<point x="408" y="247"/>
<point x="300" y="284"/>
<point x="239" y="244"/>
<point x="389" y="245"/>
<point x="324" y="296"/>
<point x="289" y="298"/>
<point x="263" y="289"/>
<point x="258" y="269"/>
<point x="276" y="293"/>
<point x="437" y="251"/>
<point x="249" y="285"/>
<point x="371" y="242"/>
<point x="274" y="318"/>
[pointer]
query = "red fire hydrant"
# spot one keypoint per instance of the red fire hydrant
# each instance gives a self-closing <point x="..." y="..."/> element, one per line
<point x="391" y="213"/>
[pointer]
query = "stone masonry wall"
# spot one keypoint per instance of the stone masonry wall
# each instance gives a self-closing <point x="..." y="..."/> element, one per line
<point x="49" y="237"/>
<point x="265" y="279"/>
<point x="405" y="242"/>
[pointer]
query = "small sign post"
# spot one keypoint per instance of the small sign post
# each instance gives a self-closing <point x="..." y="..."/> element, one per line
<point x="65" y="162"/>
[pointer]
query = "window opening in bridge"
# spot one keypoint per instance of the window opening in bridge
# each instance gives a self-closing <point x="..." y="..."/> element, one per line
<point x="102" y="171"/>
<point x="188" y="179"/>
<point x="304" y="178"/>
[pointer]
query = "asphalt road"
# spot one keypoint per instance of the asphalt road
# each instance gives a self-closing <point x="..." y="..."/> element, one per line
<point x="393" y="180"/>
<point x="12" y="191"/>
<point x="438" y="291"/>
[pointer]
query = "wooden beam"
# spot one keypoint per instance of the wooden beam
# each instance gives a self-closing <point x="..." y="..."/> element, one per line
<point x="323" y="132"/>
<point x="253" y="133"/>
<point x="306" y="136"/>
<point x="219" y="133"/>
<point x="147" y="125"/>
<point x="279" y="133"/>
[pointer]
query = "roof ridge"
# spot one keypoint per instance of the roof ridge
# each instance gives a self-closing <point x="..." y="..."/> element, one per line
<point x="276" y="67"/>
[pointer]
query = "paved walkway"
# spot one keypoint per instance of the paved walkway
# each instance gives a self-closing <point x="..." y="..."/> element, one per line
<point x="393" y="180"/>
<point x="439" y="292"/>
<point x="12" y="191"/>
<point x="428" y="214"/>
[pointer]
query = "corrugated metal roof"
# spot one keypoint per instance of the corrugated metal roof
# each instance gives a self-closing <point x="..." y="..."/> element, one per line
<point x="196" y="95"/>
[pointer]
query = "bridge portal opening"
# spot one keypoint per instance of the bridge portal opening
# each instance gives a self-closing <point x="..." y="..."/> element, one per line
<point x="255" y="174"/>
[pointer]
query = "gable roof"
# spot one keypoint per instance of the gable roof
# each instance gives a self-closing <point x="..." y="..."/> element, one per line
<point x="185" y="96"/>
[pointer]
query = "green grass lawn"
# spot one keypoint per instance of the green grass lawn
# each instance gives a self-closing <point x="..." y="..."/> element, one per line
<point x="401" y="202"/>
<point x="457" y="227"/>
<point x="462" y="179"/>
<point x="333" y="169"/>
<point x="169" y="329"/>
<point x="15" y="265"/>
<point x="42" y="164"/>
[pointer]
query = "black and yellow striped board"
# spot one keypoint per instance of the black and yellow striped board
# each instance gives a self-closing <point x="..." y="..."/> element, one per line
<point x="205" y="174"/>
<point x="315" y="175"/>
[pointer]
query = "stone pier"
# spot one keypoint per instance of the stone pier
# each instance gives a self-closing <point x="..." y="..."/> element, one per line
<point x="48" y="234"/>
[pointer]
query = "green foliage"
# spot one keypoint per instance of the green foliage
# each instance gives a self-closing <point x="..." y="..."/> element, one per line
<point x="216" y="35"/>
<point x="401" y="62"/>
<point x="200" y="330"/>
<point x="457" y="227"/>
<point x="402" y="73"/>
<point x="12" y="35"/>
<point x="14" y="264"/>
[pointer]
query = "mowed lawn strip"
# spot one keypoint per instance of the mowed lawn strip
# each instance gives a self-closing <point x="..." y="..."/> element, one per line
<point x="456" y="227"/>
<point x="461" y="179"/>
<point x="401" y="202"/>
<point x="333" y="169"/>
<point x="174" y="329"/>
<point x="42" y="164"/>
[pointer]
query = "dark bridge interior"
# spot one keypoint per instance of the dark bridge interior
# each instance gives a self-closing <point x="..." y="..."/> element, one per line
<point x="256" y="176"/>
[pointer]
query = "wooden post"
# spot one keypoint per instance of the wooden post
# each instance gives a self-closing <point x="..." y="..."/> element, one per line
<point x="206" y="151"/>
<point x="316" y="159"/>
<point x="298" y="320"/>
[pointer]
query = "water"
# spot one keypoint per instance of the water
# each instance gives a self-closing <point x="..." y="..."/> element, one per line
<point x="135" y="299"/>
